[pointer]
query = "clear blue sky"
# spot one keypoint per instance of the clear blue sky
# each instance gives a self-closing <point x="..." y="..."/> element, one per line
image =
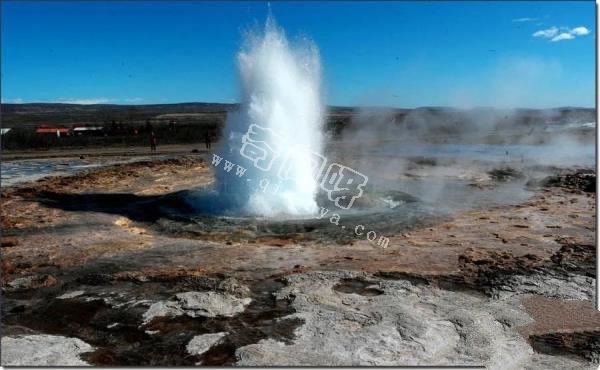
<point x="402" y="54"/>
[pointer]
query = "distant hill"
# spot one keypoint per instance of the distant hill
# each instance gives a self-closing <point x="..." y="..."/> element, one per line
<point x="56" y="113"/>
<point x="34" y="114"/>
<point x="125" y="124"/>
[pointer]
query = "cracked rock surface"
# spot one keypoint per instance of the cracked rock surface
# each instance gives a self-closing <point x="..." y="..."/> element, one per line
<point x="194" y="304"/>
<point x="202" y="343"/>
<point x="406" y="324"/>
<point x="43" y="350"/>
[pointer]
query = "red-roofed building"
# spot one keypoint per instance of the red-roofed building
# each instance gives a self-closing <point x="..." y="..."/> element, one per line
<point x="49" y="130"/>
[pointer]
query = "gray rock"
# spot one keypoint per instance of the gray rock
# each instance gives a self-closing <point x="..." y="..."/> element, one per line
<point x="70" y="295"/>
<point x="234" y="287"/>
<point x="202" y="343"/>
<point x="194" y="304"/>
<point x="212" y="304"/>
<point x="561" y="286"/>
<point x="43" y="350"/>
<point x="408" y="325"/>
<point x="162" y="309"/>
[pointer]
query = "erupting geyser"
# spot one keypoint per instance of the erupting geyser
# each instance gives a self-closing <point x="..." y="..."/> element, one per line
<point x="277" y="134"/>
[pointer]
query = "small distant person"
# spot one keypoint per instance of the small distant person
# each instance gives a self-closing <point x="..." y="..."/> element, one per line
<point x="207" y="139"/>
<point x="152" y="141"/>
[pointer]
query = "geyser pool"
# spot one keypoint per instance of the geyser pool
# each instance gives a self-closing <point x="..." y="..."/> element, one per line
<point x="278" y="130"/>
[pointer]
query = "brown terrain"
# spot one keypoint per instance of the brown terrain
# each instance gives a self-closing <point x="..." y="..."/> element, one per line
<point x="82" y="232"/>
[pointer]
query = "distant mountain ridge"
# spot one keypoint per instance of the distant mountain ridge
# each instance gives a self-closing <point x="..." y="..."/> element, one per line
<point x="60" y="113"/>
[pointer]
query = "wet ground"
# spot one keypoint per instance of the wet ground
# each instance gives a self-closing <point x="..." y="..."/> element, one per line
<point x="119" y="258"/>
<point x="23" y="166"/>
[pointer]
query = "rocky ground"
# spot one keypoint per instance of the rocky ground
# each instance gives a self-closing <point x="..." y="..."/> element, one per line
<point x="90" y="276"/>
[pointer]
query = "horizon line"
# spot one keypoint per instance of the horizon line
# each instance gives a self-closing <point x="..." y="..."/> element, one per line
<point x="329" y="106"/>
